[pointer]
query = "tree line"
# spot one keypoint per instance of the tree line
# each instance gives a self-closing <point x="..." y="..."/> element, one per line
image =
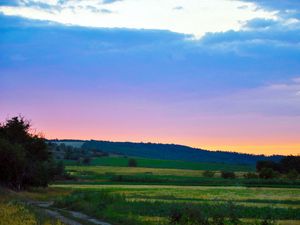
<point x="288" y="166"/>
<point x="25" y="159"/>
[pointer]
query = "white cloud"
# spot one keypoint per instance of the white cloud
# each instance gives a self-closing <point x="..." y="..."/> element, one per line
<point x="196" y="17"/>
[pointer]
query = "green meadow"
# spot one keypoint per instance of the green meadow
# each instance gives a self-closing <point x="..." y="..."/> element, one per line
<point x="153" y="204"/>
<point x="96" y="174"/>
<point x="158" y="192"/>
<point x="152" y="193"/>
<point x="122" y="161"/>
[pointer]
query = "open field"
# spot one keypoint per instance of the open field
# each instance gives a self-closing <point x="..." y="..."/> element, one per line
<point x="183" y="177"/>
<point x="121" y="161"/>
<point x="124" y="195"/>
<point x="149" y="203"/>
<point x="194" y="193"/>
<point x="150" y="195"/>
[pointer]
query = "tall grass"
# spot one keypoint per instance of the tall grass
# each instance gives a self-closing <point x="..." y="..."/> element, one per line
<point x="12" y="213"/>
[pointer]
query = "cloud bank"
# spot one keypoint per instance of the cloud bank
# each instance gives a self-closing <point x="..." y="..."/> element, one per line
<point x="191" y="17"/>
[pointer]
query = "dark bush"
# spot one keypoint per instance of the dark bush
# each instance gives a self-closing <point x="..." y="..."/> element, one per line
<point x="200" y="215"/>
<point x="86" y="160"/>
<point x="132" y="163"/>
<point x="268" y="173"/>
<point x="289" y="163"/>
<point x="267" y="164"/>
<point x="292" y="174"/>
<point x="208" y="173"/>
<point x="190" y="214"/>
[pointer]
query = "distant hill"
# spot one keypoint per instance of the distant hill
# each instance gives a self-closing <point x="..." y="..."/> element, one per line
<point x="168" y="151"/>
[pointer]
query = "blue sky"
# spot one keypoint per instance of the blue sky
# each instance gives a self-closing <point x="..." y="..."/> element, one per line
<point x="193" y="73"/>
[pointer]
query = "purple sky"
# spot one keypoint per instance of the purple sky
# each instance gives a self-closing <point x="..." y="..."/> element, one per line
<point x="229" y="87"/>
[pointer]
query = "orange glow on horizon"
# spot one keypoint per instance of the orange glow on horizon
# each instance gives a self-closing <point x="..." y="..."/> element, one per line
<point x="258" y="147"/>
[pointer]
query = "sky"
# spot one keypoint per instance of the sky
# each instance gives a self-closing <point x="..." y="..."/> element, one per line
<point x="211" y="74"/>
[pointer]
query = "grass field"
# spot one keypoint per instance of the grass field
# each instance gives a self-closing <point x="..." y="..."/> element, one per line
<point x="183" y="177"/>
<point x="120" y="161"/>
<point x="148" y="196"/>
<point x="154" y="195"/>
<point x="154" y="203"/>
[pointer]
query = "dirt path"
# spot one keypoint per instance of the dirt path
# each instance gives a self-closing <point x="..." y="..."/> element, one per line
<point x="57" y="214"/>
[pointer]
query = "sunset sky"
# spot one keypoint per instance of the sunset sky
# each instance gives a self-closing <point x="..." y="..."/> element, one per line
<point x="213" y="74"/>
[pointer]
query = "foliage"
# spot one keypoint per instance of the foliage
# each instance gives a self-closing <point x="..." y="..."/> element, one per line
<point x="17" y="214"/>
<point x="24" y="157"/>
<point x="292" y="174"/>
<point x="285" y="165"/>
<point x="290" y="163"/>
<point x="260" y="165"/>
<point x="208" y="173"/>
<point x="86" y="160"/>
<point x="227" y="175"/>
<point x="268" y="173"/>
<point x="174" y="152"/>
<point x="189" y="215"/>
<point x="195" y="215"/>
<point x="132" y="163"/>
<point x="67" y="152"/>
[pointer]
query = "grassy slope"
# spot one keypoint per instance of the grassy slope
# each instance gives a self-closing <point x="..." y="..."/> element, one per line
<point x="172" y="164"/>
<point x="174" y="152"/>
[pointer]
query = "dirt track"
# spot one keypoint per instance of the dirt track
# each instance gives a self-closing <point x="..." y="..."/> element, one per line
<point x="57" y="214"/>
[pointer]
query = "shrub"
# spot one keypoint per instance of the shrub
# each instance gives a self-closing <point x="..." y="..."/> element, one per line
<point x="208" y="173"/>
<point x="227" y="214"/>
<point x="268" y="173"/>
<point x="200" y="215"/>
<point x="86" y="160"/>
<point x="267" y="164"/>
<point x="188" y="215"/>
<point x="292" y="174"/>
<point x="289" y="163"/>
<point x="227" y="175"/>
<point x="132" y="163"/>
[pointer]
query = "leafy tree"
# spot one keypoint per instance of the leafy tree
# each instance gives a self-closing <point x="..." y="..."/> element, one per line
<point x="24" y="157"/>
<point x="132" y="163"/>
<point x="267" y="164"/>
<point x="284" y="166"/>
<point x="289" y="163"/>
